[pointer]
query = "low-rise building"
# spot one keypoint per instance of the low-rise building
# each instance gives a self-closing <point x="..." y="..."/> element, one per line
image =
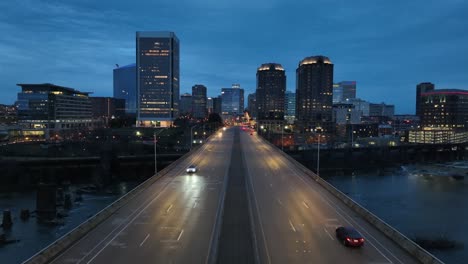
<point x="53" y="108"/>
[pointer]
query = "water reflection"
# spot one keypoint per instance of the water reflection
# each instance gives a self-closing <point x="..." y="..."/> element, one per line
<point x="33" y="236"/>
<point x="417" y="201"/>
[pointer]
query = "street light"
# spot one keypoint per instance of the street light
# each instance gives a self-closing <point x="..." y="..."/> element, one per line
<point x="191" y="136"/>
<point x="318" y="130"/>
<point x="282" y="136"/>
<point x="155" y="152"/>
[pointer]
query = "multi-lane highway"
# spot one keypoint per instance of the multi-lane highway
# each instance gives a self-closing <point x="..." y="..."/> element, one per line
<point x="295" y="218"/>
<point x="175" y="219"/>
<point x="172" y="221"/>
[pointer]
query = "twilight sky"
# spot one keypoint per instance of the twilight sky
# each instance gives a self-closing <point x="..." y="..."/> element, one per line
<point x="386" y="46"/>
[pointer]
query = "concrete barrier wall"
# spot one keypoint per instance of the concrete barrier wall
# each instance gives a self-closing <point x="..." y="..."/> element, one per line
<point x="404" y="242"/>
<point x="67" y="240"/>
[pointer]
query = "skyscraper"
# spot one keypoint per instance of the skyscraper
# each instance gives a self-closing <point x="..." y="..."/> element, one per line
<point x="217" y="105"/>
<point x="314" y="92"/>
<point x="420" y="89"/>
<point x="252" y="105"/>
<point x="186" y="103"/>
<point x="125" y="87"/>
<point x="232" y="101"/>
<point x="199" y="101"/>
<point x="290" y="106"/>
<point x="157" y="55"/>
<point x="271" y="86"/>
<point x="343" y="91"/>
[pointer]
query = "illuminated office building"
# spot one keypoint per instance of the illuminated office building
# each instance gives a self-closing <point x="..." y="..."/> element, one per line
<point x="271" y="86"/>
<point x="157" y="55"/>
<point x="125" y="87"/>
<point x="199" y="101"/>
<point x="314" y="82"/>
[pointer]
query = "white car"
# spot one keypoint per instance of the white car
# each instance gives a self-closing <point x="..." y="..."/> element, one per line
<point x="192" y="169"/>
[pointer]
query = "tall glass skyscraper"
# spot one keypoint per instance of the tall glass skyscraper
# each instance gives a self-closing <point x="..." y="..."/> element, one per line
<point x="199" y="101"/>
<point x="290" y="107"/>
<point x="343" y="91"/>
<point x="314" y="92"/>
<point x="232" y="101"/>
<point x="271" y="86"/>
<point x="125" y="87"/>
<point x="157" y="55"/>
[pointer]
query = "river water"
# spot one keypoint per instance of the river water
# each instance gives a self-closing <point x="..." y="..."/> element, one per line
<point x="416" y="202"/>
<point x="33" y="236"/>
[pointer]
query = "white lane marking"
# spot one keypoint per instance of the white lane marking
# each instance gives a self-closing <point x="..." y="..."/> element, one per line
<point x="279" y="201"/>
<point x="301" y="176"/>
<point x="305" y="204"/>
<point x="144" y="240"/>
<point x="180" y="235"/>
<point x="258" y="211"/>
<point x="196" y="156"/>
<point x="363" y="229"/>
<point x="328" y="234"/>
<point x="195" y="204"/>
<point x="292" y="226"/>
<point x="345" y="219"/>
<point x="125" y="227"/>
<point x="168" y="209"/>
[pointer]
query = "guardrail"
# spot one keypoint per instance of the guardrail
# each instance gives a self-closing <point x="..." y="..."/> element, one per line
<point x="58" y="246"/>
<point x="404" y="242"/>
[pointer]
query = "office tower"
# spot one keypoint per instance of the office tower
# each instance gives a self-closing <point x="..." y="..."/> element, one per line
<point x="346" y="114"/>
<point x="232" y="101"/>
<point x="217" y="105"/>
<point x="271" y="86"/>
<point x="360" y="105"/>
<point x="422" y="88"/>
<point x="125" y="87"/>
<point x="444" y="108"/>
<point x="381" y="109"/>
<point x="252" y="105"/>
<point x="314" y="93"/>
<point x="290" y="104"/>
<point x="199" y="101"/>
<point x="185" y="104"/>
<point x="157" y="55"/>
<point x="343" y="91"/>
<point x="53" y="107"/>
<point x="209" y="105"/>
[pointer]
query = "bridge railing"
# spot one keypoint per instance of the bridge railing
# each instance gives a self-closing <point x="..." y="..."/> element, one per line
<point x="60" y="245"/>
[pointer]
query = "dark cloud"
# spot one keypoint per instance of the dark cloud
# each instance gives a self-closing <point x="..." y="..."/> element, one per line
<point x="386" y="46"/>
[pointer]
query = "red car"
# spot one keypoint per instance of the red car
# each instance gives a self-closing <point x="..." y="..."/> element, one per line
<point x="349" y="236"/>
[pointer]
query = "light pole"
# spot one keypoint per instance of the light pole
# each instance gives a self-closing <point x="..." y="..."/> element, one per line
<point x="191" y="136"/>
<point x="282" y="136"/>
<point x="155" y="151"/>
<point x="318" y="130"/>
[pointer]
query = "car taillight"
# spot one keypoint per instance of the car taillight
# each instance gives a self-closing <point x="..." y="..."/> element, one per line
<point x="348" y="239"/>
<point x="361" y="239"/>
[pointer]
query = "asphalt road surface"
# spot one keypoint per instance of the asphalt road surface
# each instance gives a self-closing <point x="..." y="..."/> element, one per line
<point x="172" y="221"/>
<point x="296" y="218"/>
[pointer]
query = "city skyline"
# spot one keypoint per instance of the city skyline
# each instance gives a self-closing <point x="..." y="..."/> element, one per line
<point x="387" y="54"/>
